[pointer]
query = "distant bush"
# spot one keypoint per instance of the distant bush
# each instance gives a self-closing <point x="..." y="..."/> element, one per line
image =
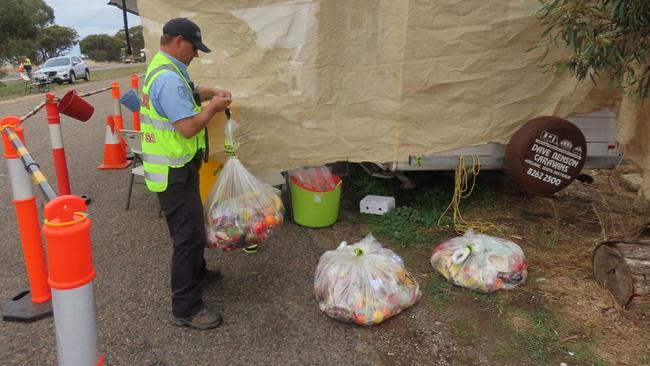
<point x="101" y="47"/>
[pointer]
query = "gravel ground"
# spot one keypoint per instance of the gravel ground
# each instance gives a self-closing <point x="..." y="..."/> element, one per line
<point x="271" y="317"/>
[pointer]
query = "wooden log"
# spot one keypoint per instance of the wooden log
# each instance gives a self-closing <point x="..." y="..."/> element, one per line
<point x="623" y="268"/>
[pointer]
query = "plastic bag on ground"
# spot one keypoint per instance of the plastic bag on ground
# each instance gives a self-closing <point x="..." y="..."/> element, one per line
<point x="240" y="210"/>
<point x="363" y="283"/>
<point x="314" y="179"/>
<point x="481" y="262"/>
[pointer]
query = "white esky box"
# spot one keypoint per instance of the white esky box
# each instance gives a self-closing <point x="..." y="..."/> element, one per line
<point x="376" y="205"/>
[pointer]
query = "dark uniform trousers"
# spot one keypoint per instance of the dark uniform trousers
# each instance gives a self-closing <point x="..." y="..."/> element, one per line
<point x="181" y="202"/>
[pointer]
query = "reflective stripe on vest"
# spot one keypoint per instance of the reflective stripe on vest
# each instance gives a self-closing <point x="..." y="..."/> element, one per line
<point x="163" y="159"/>
<point x="156" y="177"/>
<point x="158" y="125"/>
<point x="153" y="72"/>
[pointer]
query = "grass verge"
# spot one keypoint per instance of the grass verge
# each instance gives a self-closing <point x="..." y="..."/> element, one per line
<point x="16" y="88"/>
<point x="507" y="327"/>
<point x="511" y="333"/>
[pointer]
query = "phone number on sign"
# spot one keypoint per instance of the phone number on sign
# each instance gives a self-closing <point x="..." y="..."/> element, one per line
<point x="543" y="176"/>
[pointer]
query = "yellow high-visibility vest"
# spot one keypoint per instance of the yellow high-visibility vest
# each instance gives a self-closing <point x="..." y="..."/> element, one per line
<point x="162" y="145"/>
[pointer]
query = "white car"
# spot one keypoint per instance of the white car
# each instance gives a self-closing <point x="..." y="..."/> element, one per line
<point x="60" y="69"/>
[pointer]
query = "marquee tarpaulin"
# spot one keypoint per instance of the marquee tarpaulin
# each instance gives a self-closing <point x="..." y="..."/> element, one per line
<point x="379" y="80"/>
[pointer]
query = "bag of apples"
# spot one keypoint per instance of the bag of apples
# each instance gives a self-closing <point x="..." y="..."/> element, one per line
<point x="241" y="210"/>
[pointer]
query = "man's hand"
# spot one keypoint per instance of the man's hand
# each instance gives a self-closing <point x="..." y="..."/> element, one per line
<point x="190" y="126"/>
<point x="222" y="93"/>
<point x="220" y="102"/>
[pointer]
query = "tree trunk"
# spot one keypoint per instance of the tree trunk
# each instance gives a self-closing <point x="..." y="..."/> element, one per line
<point x="623" y="268"/>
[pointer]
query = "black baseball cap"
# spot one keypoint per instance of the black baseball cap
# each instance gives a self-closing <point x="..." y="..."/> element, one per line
<point x="188" y="29"/>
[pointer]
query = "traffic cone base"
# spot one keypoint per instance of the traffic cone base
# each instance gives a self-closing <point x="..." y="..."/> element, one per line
<point x="114" y="152"/>
<point x="114" y="158"/>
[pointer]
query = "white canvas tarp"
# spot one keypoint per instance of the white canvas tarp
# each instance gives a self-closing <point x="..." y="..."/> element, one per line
<point x="376" y="80"/>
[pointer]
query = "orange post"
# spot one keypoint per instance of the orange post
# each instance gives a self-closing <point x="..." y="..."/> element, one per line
<point x="27" y="217"/>
<point x="56" y="140"/>
<point x="117" y="111"/>
<point x="69" y="257"/>
<point x="32" y="249"/>
<point x="67" y="230"/>
<point x="136" y="115"/>
<point x="28" y="306"/>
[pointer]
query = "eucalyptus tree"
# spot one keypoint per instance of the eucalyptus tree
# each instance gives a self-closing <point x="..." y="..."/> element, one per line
<point x="605" y="38"/>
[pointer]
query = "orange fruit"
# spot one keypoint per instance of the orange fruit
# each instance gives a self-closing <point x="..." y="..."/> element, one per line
<point x="270" y="220"/>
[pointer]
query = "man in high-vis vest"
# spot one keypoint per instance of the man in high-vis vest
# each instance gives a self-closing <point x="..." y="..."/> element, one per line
<point x="173" y="144"/>
<point x="27" y="65"/>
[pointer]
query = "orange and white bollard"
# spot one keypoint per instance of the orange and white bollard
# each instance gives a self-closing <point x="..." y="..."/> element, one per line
<point x="35" y="304"/>
<point x="136" y="115"/>
<point x="114" y="152"/>
<point x="56" y="140"/>
<point x="69" y="257"/>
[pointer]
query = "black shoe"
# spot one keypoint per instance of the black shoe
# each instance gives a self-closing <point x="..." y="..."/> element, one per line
<point x="211" y="277"/>
<point x="204" y="319"/>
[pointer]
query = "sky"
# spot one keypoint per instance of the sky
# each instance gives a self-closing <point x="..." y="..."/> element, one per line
<point x="90" y="17"/>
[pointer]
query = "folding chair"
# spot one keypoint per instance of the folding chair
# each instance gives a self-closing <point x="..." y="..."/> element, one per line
<point x="29" y="84"/>
<point x="134" y="142"/>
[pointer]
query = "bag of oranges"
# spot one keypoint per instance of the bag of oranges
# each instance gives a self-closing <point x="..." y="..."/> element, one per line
<point x="241" y="211"/>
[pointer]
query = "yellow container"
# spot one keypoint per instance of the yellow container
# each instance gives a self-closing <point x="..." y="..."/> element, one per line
<point x="208" y="175"/>
<point x="209" y="171"/>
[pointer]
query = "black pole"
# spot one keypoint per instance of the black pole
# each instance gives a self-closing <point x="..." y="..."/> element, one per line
<point x="126" y="29"/>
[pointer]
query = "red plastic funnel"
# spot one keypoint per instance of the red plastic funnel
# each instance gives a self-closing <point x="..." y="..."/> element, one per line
<point x="75" y="106"/>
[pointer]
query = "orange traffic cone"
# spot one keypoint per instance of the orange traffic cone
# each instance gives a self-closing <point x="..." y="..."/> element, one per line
<point x="114" y="152"/>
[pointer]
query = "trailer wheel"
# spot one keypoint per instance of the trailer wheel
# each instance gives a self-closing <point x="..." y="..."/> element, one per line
<point x="546" y="154"/>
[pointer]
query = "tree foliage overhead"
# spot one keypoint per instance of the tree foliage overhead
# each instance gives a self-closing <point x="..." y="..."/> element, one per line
<point x="608" y="38"/>
<point x="101" y="47"/>
<point x="20" y="24"/>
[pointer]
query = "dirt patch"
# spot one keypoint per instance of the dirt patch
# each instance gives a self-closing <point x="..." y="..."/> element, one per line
<point x="559" y="315"/>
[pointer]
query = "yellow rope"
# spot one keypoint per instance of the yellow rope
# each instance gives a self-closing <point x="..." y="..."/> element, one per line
<point x="462" y="189"/>
<point x="81" y="217"/>
<point x="3" y="128"/>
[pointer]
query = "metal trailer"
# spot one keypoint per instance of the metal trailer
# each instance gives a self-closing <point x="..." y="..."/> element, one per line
<point x="598" y="129"/>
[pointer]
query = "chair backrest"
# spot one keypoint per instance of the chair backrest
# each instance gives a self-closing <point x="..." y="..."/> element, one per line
<point x="133" y="139"/>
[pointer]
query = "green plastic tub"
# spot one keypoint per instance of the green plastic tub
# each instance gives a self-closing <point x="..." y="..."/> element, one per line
<point x="315" y="208"/>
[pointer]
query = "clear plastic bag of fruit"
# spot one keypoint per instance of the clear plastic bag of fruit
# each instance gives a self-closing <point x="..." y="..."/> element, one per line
<point x="481" y="262"/>
<point x="363" y="283"/>
<point x="241" y="210"/>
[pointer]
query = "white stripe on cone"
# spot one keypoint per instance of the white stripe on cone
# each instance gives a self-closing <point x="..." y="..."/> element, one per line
<point x="111" y="135"/>
<point x="117" y="107"/>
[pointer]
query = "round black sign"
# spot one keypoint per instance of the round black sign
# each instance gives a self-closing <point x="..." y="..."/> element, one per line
<point x="546" y="154"/>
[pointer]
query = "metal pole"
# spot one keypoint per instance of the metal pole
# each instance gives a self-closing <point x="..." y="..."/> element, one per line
<point x="31" y="166"/>
<point x="32" y="112"/>
<point x="126" y="30"/>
